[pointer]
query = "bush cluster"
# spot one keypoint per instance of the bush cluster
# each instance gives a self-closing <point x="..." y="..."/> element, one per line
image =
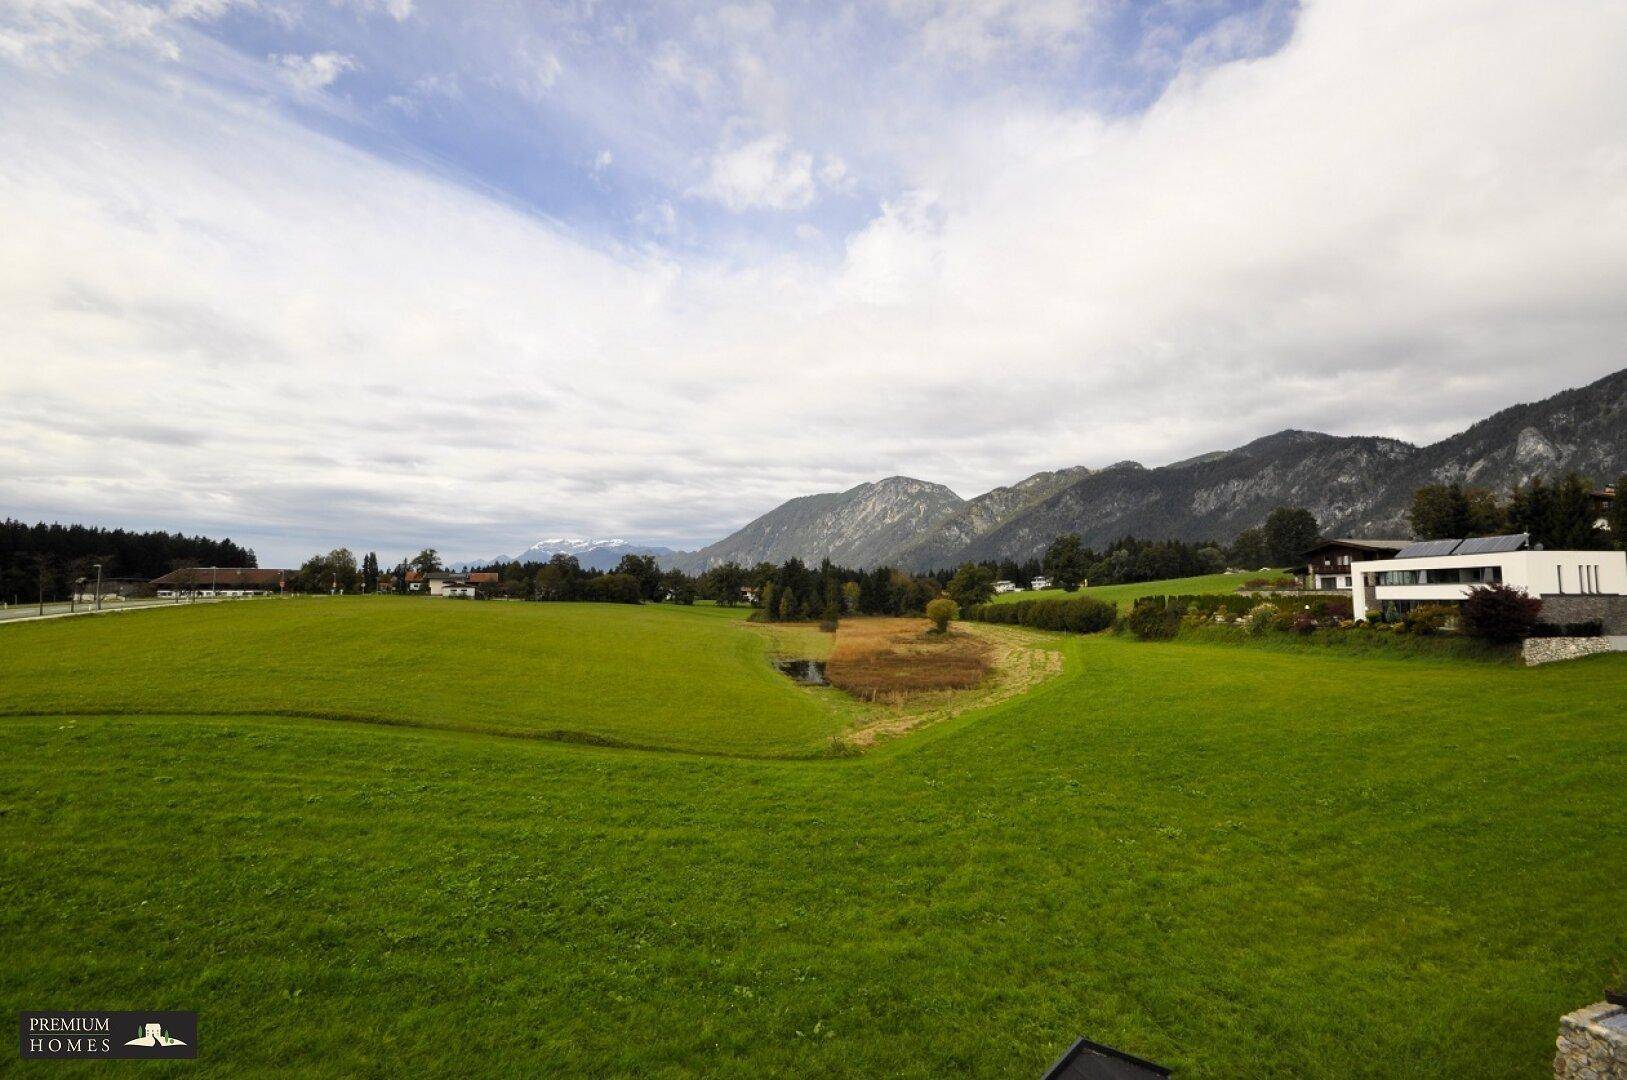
<point x="1427" y="619"/>
<point x="1079" y="615"/>
<point x="941" y="611"/>
<point x="1327" y="610"/>
<point x="1262" y="617"/>
<point x="1153" y="621"/>
<point x="1500" y="613"/>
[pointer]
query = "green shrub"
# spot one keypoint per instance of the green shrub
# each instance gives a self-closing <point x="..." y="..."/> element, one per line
<point x="1427" y="619"/>
<point x="830" y="617"/>
<point x="1333" y="608"/>
<point x="1500" y="613"/>
<point x="1260" y="618"/>
<point x="1078" y="615"/>
<point x="941" y="611"/>
<point x="1152" y="621"/>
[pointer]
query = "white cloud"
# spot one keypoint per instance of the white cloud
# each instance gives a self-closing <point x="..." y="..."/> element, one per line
<point x="426" y="88"/>
<point x="764" y="172"/>
<point x="977" y="31"/>
<point x="399" y="10"/>
<point x="56" y="34"/>
<point x="313" y="72"/>
<point x="833" y="173"/>
<point x="1400" y="221"/>
<point x="674" y="66"/>
<point x="537" y="68"/>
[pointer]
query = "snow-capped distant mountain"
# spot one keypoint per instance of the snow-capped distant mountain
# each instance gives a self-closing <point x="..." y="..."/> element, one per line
<point x="591" y="554"/>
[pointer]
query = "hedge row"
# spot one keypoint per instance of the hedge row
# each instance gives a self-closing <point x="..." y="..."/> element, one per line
<point x="1332" y="606"/>
<point x="1081" y="614"/>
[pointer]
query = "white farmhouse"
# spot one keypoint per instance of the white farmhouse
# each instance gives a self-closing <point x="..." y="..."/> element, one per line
<point x="1574" y="586"/>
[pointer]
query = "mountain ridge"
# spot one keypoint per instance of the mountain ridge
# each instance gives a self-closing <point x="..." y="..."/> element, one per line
<point x="592" y="554"/>
<point x="1358" y="485"/>
<point x="857" y="527"/>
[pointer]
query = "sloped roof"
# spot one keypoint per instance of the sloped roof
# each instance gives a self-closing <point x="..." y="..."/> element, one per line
<point x="222" y="575"/>
<point x="1364" y="545"/>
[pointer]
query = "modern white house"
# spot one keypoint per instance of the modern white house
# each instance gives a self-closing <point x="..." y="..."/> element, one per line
<point x="1039" y="582"/>
<point x="1574" y="586"/>
<point x="1003" y="586"/>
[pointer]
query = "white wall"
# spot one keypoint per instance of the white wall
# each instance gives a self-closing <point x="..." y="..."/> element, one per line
<point x="1537" y="572"/>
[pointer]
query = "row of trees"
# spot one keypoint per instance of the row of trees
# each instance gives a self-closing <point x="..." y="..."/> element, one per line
<point x="791" y="590"/>
<point x="1288" y="532"/>
<point x="1560" y="515"/>
<point x="43" y="561"/>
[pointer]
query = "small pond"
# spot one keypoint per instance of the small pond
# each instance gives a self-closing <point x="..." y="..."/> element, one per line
<point x="808" y="672"/>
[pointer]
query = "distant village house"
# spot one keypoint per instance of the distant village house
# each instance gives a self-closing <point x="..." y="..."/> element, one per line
<point x="1327" y="565"/>
<point x="221" y="581"/>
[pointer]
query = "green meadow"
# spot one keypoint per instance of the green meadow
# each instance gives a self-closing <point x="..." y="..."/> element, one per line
<point x="655" y="675"/>
<point x="1124" y="595"/>
<point x="367" y="837"/>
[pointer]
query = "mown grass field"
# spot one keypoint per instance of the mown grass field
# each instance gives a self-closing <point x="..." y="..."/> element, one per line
<point x="1236" y="862"/>
<point x="655" y="676"/>
<point x="1124" y="595"/>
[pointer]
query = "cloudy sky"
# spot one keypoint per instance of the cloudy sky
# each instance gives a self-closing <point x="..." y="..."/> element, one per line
<point x="393" y="273"/>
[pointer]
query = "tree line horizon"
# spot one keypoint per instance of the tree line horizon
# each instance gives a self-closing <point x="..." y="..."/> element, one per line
<point x="44" y="561"/>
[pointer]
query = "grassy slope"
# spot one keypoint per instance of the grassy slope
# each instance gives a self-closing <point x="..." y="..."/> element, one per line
<point x="1236" y="862"/>
<point x="654" y="676"/>
<point x="1124" y="594"/>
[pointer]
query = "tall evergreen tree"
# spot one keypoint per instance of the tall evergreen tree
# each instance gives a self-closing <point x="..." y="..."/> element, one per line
<point x="1573" y="524"/>
<point x="1248" y="550"/>
<point x="1065" y="562"/>
<point x="1290" y="531"/>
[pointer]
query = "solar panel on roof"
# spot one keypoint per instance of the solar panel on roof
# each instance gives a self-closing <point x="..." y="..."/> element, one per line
<point x="1486" y="545"/>
<point x="1425" y="549"/>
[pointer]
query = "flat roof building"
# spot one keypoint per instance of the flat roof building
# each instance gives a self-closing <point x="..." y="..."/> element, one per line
<point x="1574" y="586"/>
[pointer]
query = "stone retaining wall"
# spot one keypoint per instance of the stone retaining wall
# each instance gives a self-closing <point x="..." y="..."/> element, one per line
<point x="1546" y="650"/>
<point x="1573" y="608"/>
<point x="1592" y="1044"/>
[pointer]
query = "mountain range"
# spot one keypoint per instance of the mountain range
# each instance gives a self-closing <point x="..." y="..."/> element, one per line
<point x="1356" y="485"/>
<point x="590" y="554"/>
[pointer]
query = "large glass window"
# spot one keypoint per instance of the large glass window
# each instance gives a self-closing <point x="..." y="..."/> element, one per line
<point x="1456" y="575"/>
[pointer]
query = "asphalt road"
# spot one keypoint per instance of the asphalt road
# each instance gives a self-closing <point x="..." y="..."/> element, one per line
<point x="16" y="612"/>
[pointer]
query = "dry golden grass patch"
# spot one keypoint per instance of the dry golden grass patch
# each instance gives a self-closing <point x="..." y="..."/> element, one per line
<point x="893" y="659"/>
<point x="1013" y="661"/>
<point x="894" y="677"/>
